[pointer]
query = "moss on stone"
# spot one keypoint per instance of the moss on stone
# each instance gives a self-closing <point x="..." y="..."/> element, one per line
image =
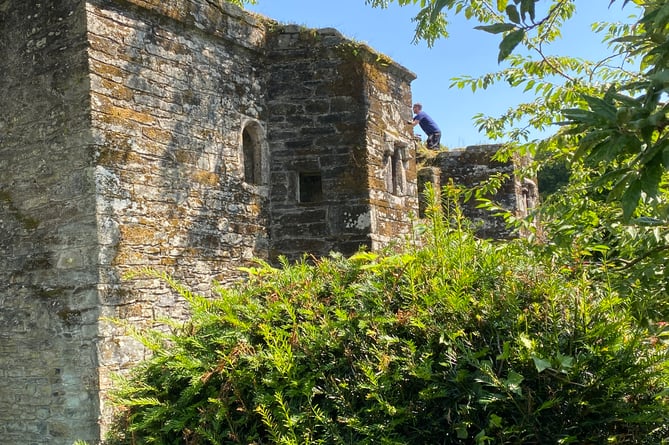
<point x="26" y="221"/>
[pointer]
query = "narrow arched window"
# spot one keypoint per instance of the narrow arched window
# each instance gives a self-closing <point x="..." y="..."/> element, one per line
<point x="396" y="174"/>
<point x="252" y="154"/>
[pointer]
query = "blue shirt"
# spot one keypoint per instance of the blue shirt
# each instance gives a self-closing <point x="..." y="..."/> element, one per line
<point x="426" y="123"/>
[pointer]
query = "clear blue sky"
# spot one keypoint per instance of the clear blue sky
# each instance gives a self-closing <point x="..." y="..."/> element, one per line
<point x="465" y="52"/>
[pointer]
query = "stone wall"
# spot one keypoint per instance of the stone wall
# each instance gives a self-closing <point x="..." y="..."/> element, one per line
<point x="185" y="136"/>
<point x="316" y="132"/>
<point x="471" y="167"/>
<point x="391" y="148"/>
<point x="334" y="109"/>
<point x="48" y="235"/>
<point x="173" y="87"/>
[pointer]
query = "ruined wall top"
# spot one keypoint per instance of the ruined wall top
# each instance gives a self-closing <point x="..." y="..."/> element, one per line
<point x="217" y="17"/>
<point x="223" y="19"/>
<point x="472" y="167"/>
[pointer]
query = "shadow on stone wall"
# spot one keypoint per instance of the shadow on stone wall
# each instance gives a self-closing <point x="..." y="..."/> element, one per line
<point x="169" y="101"/>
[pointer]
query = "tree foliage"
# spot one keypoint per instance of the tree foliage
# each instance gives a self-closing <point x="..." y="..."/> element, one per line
<point x="607" y="120"/>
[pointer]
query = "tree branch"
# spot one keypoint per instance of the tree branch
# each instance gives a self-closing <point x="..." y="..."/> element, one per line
<point x="629" y="264"/>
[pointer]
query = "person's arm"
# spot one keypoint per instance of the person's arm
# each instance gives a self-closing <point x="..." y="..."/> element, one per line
<point x="413" y="122"/>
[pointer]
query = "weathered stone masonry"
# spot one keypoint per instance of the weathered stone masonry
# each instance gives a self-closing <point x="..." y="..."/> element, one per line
<point x="185" y="136"/>
<point x="48" y="226"/>
<point x="334" y="110"/>
<point x="472" y="167"/>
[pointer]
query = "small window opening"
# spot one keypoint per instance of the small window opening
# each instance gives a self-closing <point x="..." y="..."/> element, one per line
<point x="395" y="178"/>
<point x="252" y="158"/>
<point x="397" y="173"/>
<point x="311" y="187"/>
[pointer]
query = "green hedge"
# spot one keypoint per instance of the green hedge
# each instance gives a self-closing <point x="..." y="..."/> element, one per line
<point x="460" y="341"/>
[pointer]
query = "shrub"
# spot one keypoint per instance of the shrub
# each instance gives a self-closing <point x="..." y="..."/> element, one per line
<point x="459" y="341"/>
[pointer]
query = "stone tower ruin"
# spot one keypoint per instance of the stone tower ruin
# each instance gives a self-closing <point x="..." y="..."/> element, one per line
<point x="186" y="136"/>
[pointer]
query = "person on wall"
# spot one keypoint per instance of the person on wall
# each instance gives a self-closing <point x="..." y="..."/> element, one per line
<point x="428" y="125"/>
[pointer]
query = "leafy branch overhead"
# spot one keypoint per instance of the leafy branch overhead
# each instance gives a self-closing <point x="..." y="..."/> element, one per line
<point x="614" y="117"/>
<point x="520" y="21"/>
<point x="623" y="133"/>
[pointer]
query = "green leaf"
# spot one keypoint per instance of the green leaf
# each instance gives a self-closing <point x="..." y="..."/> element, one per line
<point x="626" y="100"/>
<point x="648" y="221"/>
<point x="602" y="107"/>
<point x="651" y="175"/>
<point x="660" y="77"/>
<point x="509" y="42"/>
<point x="497" y="28"/>
<point x="512" y="12"/>
<point x="461" y="431"/>
<point x="481" y="437"/>
<point x="437" y="7"/>
<point x="495" y="421"/>
<point x="143" y="401"/>
<point x="623" y="178"/>
<point x="630" y="199"/>
<point x="566" y="361"/>
<point x="541" y="364"/>
<point x="613" y="145"/>
<point x="662" y="17"/>
<point x="526" y="342"/>
<point x="513" y="382"/>
<point x="548" y="404"/>
<point x="578" y="116"/>
<point x="527" y="8"/>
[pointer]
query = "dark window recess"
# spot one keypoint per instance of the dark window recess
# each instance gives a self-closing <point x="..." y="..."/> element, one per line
<point x="252" y="158"/>
<point x="396" y="168"/>
<point x="311" y="187"/>
<point x="395" y="176"/>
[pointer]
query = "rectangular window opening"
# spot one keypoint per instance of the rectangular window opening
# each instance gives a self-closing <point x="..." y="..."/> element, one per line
<point x="396" y="175"/>
<point x="311" y="187"/>
<point x="396" y="169"/>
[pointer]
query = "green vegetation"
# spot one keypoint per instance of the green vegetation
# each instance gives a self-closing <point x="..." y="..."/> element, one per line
<point x="461" y="340"/>
<point x="605" y="150"/>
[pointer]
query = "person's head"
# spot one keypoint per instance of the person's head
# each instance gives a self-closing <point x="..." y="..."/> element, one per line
<point x="417" y="107"/>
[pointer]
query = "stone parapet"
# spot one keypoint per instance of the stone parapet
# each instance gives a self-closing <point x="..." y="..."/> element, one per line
<point x="471" y="167"/>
